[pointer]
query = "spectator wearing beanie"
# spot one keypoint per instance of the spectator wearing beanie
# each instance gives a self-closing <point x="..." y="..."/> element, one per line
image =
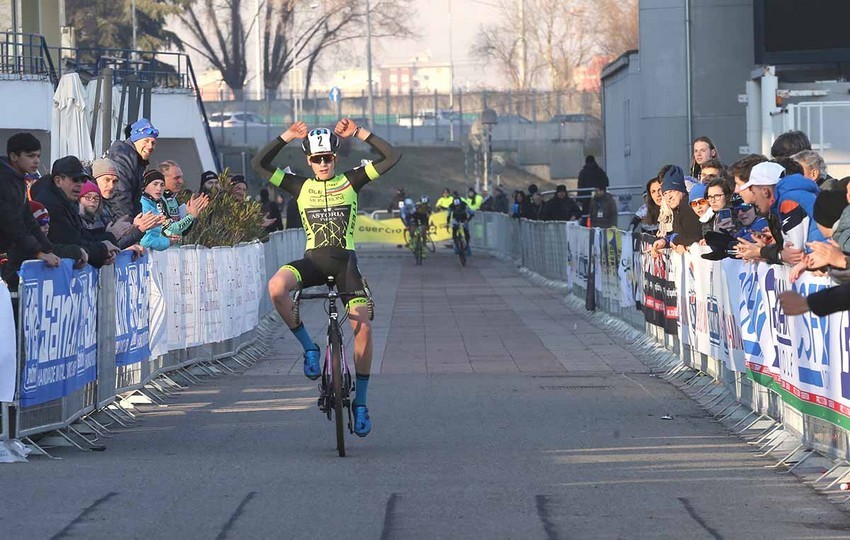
<point x="208" y="181"/>
<point x="131" y="159"/>
<point x="153" y="184"/>
<point x="685" y="227"/>
<point x="41" y="216"/>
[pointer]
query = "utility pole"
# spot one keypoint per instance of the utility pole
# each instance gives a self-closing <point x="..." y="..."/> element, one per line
<point x="133" y="10"/>
<point x="369" y="64"/>
<point x="523" y="45"/>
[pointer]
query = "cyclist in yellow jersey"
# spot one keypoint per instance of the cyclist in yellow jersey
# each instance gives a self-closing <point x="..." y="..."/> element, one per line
<point x="327" y="204"/>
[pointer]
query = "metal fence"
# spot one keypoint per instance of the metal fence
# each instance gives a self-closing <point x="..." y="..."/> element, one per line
<point x="567" y="254"/>
<point x="113" y="381"/>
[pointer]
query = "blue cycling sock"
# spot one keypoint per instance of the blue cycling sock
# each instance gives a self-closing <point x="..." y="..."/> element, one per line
<point x="360" y="389"/>
<point x="303" y="337"/>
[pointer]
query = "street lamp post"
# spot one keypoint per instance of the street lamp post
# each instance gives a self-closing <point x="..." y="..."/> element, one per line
<point x="369" y="64"/>
<point x="489" y="118"/>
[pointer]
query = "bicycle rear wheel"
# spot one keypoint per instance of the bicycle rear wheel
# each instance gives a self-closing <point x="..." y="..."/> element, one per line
<point x="462" y="244"/>
<point x="336" y="386"/>
<point x="417" y="248"/>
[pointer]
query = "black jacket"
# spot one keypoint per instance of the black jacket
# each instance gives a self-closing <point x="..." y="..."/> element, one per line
<point x="831" y="300"/>
<point x="687" y="228"/>
<point x="127" y="197"/>
<point x="603" y="211"/>
<point x="501" y="203"/>
<point x="592" y="176"/>
<point x="557" y="209"/>
<point x="20" y="235"/>
<point x="536" y="211"/>
<point x="293" y="216"/>
<point x="66" y="226"/>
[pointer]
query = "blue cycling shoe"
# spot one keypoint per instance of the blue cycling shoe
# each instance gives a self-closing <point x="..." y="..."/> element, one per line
<point x="312" y="369"/>
<point x="362" y="424"/>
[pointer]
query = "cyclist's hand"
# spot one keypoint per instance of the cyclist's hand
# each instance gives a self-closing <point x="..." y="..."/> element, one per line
<point x="298" y="130"/>
<point x="345" y="128"/>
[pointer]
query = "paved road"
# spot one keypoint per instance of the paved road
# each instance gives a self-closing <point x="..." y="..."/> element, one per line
<point x="498" y="411"/>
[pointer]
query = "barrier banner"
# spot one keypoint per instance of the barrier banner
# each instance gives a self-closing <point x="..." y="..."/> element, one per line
<point x="627" y="274"/>
<point x="60" y="330"/>
<point x="8" y="346"/>
<point x="806" y="358"/>
<point x="637" y="255"/>
<point x="132" y="336"/>
<point x="709" y="320"/>
<point x="608" y="269"/>
<point x="391" y="231"/>
<point x="157" y="309"/>
<point x="660" y="291"/>
<point x="578" y="258"/>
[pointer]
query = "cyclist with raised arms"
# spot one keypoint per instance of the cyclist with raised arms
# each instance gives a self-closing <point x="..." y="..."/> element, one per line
<point x="327" y="203"/>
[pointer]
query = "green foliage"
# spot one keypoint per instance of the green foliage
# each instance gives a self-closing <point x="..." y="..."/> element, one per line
<point x="109" y="23"/>
<point x="226" y="221"/>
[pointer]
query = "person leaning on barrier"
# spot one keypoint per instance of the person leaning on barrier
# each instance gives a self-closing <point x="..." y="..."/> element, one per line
<point x="500" y="201"/>
<point x="179" y="218"/>
<point x="685" y="226"/>
<point x="105" y="174"/>
<point x="20" y="235"/>
<point x="788" y="200"/>
<point x="536" y="207"/>
<point x="561" y="207"/>
<point x="521" y="208"/>
<point x="645" y="219"/>
<point x="60" y="194"/>
<point x="153" y="185"/>
<point x="603" y="209"/>
<point x="131" y="157"/>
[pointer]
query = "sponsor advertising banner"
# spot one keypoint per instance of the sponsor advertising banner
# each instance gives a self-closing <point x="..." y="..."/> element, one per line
<point x="391" y="231"/>
<point x="578" y="257"/>
<point x="660" y="290"/>
<point x="132" y="339"/>
<point x="60" y="330"/>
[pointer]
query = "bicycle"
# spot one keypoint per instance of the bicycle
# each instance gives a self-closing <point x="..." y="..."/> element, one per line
<point x="421" y="241"/>
<point x="459" y="241"/>
<point x="336" y="382"/>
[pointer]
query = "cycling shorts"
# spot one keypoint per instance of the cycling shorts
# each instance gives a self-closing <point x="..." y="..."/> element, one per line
<point x="322" y="262"/>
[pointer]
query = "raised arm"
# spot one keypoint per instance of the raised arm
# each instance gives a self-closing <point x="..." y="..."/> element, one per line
<point x="390" y="155"/>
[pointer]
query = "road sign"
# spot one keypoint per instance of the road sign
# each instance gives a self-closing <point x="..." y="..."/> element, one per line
<point x="335" y="95"/>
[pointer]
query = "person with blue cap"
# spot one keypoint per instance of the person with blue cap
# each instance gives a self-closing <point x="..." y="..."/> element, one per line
<point x="131" y="157"/>
<point x="686" y="228"/>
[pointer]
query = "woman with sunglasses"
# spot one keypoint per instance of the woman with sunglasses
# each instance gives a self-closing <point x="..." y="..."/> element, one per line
<point x="327" y="202"/>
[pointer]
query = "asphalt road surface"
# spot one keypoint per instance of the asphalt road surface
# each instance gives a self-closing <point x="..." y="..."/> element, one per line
<point x="498" y="413"/>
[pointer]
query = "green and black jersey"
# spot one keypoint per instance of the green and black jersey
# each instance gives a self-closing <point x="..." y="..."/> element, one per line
<point x="328" y="208"/>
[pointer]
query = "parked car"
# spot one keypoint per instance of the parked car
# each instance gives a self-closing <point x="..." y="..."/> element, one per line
<point x="574" y="118"/>
<point x="235" y="119"/>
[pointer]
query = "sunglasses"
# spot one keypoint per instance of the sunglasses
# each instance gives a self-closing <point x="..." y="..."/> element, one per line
<point x="698" y="202"/>
<point x="43" y="222"/>
<point x="324" y="158"/>
<point x="743" y="208"/>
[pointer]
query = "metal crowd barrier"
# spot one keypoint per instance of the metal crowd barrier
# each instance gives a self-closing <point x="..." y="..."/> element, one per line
<point x="565" y="253"/>
<point x="113" y="381"/>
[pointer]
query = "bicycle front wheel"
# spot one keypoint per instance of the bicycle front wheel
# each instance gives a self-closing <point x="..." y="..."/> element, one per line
<point x="417" y="249"/>
<point x="336" y="386"/>
<point x="461" y="245"/>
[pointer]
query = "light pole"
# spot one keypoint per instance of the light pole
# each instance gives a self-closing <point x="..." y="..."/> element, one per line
<point x="369" y="64"/>
<point x="451" y="79"/>
<point x="133" y="14"/>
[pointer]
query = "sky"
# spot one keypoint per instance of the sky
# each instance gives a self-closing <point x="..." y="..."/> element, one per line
<point x="467" y="17"/>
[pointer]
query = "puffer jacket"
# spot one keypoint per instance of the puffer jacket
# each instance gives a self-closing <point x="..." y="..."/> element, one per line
<point x="126" y="199"/>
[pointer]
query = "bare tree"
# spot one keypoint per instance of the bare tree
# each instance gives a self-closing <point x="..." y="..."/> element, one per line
<point x="298" y="33"/>
<point x="544" y="41"/>
<point x="219" y="29"/>
<point x="618" y="25"/>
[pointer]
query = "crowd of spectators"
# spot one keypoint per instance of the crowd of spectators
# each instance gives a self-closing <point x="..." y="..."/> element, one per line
<point x="91" y="212"/>
<point x="783" y="209"/>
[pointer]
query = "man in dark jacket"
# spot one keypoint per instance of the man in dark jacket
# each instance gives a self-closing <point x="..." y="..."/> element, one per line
<point x="561" y="207"/>
<point x="591" y="176"/>
<point x="500" y="201"/>
<point x="131" y="158"/>
<point x="687" y="228"/>
<point x="603" y="209"/>
<point x="60" y="194"/>
<point x="536" y="208"/>
<point x="20" y="234"/>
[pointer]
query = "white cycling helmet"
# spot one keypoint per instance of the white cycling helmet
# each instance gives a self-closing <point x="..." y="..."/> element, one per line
<point x="320" y="141"/>
<point x="424" y="199"/>
<point x="408" y="202"/>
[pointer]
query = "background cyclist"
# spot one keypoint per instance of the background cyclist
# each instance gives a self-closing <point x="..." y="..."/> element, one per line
<point x="459" y="214"/>
<point x="327" y="203"/>
<point x="420" y="216"/>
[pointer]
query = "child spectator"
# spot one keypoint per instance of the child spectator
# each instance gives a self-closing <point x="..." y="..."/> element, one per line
<point x="153" y="184"/>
